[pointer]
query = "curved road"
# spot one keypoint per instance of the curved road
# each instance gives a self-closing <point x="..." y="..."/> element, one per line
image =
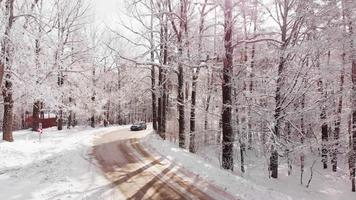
<point x="141" y="174"/>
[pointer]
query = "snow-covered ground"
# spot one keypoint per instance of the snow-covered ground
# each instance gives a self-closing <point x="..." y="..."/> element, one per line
<point x="255" y="184"/>
<point x="58" y="167"/>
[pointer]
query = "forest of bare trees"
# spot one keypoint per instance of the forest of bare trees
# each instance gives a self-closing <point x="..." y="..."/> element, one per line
<point x="274" y="79"/>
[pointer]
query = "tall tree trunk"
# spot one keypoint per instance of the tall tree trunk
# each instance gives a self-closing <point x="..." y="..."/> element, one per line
<point x="5" y="48"/>
<point x="163" y="100"/>
<point x="6" y="62"/>
<point x="324" y="138"/>
<point x="353" y="150"/>
<point x="242" y="155"/>
<point x="180" y="98"/>
<point x="120" y="120"/>
<point x="164" y="103"/>
<point x="227" y="133"/>
<point x="353" y="108"/>
<point x="153" y="76"/>
<point x="70" y="115"/>
<point x="60" y="82"/>
<point x="207" y="106"/>
<point x="279" y="97"/>
<point x="240" y="134"/>
<point x="277" y="118"/>
<point x="302" y="138"/>
<point x="92" y="119"/>
<point x="324" y="125"/>
<point x="351" y="161"/>
<point x="251" y="76"/>
<point x="347" y="17"/>
<point x="36" y="104"/>
<point x="287" y="150"/>
<point x="8" y="110"/>
<point x="247" y="86"/>
<point x="154" y="106"/>
<point x="192" y="147"/>
<point x="338" y="117"/>
<point x="160" y="107"/>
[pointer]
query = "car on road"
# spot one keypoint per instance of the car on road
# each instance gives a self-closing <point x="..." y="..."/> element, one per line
<point x="138" y="126"/>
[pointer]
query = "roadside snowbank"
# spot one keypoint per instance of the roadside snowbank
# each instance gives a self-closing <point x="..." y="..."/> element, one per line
<point x="57" y="167"/>
<point x="233" y="184"/>
<point x="255" y="185"/>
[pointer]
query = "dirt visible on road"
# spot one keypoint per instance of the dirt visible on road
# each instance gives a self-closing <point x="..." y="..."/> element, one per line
<point x="140" y="174"/>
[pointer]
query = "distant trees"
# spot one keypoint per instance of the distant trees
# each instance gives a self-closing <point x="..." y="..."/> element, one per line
<point x="47" y="60"/>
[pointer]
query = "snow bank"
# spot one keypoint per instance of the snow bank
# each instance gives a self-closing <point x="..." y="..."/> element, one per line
<point x="57" y="167"/>
<point x="235" y="185"/>
<point x="255" y="185"/>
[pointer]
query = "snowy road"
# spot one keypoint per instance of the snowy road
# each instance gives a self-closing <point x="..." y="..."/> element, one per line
<point x="140" y="174"/>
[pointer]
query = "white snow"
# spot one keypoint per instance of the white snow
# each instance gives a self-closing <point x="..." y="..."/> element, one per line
<point x="255" y="184"/>
<point x="58" y="167"/>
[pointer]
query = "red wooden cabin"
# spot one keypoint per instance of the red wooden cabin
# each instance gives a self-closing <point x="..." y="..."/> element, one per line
<point x="47" y="120"/>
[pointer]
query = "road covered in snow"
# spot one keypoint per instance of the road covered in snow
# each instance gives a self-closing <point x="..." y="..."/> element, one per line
<point x="142" y="174"/>
<point x="60" y="166"/>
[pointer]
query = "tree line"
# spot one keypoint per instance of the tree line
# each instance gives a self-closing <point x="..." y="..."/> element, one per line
<point x="55" y="60"/>
<point x="275" y="77"/>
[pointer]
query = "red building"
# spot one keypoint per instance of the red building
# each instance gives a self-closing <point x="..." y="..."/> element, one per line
<point x="47" y="120"/>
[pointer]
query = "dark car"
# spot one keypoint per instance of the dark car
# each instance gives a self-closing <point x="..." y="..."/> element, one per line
<point x="138" y="126"/>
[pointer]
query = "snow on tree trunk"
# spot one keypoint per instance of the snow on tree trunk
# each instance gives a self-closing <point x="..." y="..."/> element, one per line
<point x="192" y="144"/>
<point x="180" y="101"/>
<point x="6" y="62"/>
<point x="338" y="118"/>
<point x="192" y="147"/>
<point x="226" y="118"/>
<point x="349" y="14"/>
<point x="153" y="76"/>
<point x="153" y="95"/>
<point x="160" y="102"/>
<point x="162" y="77"/>
<point x="8" y="110"/>
<point x="180" y="74"/>
<point x="277" y="118"/>
<point x="352" y="159"/>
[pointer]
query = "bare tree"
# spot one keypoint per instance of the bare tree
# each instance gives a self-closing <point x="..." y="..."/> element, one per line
<point x="195" y="71"/>
<point x="5" y="65"/>
<point x="179" y="34"/>
<point x="227" y="133"/>
<point x="349" y="14"/>
<point x="290" y="32"/>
